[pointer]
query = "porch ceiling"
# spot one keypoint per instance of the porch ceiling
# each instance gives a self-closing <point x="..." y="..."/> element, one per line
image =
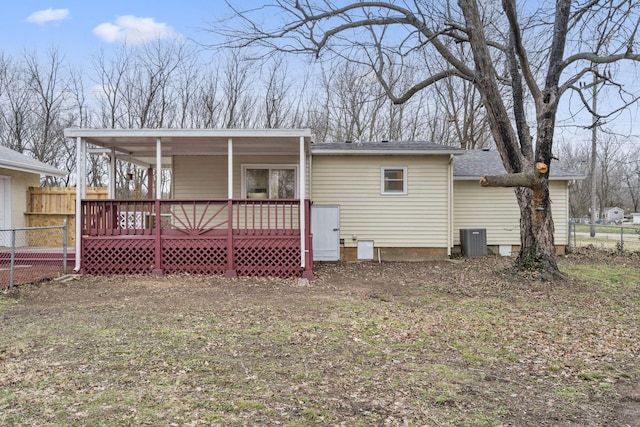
<point x="139" y="145"/>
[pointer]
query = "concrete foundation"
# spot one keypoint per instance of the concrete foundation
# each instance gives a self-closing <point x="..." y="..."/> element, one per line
<point x="397" y="254"/>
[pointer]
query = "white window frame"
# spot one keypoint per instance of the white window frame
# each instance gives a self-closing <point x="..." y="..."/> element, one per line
<point x="405" y="179"/>
<point x="269" y="166"/>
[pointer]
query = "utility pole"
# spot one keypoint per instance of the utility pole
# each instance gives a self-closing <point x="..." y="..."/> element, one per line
<point x="594" y="135"/>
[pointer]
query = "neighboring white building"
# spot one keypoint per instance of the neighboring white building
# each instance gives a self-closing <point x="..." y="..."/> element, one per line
<point x="18" y="172"/>
<point x="613" y="214"/>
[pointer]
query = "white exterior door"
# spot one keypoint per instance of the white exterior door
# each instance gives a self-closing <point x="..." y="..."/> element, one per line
<point x="325" y="226"/>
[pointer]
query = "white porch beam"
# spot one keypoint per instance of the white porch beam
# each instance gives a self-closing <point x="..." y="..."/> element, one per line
<point x="158" y="168"/>
<point x="301" y="195"/>
<point x="230" y="168"/>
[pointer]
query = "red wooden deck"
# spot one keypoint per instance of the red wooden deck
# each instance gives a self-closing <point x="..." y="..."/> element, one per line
<point x="246" y="237"/>
<point x="33" y="264"/>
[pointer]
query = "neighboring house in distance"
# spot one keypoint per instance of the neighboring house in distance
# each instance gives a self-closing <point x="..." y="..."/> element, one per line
<point x="18" y="172"/>
<point x="613" y="214"/>
<point x="270" y="202"/>
<point x="495" y="208"/>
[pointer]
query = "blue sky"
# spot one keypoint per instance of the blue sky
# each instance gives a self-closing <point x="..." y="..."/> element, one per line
<point x="80" y="27"/>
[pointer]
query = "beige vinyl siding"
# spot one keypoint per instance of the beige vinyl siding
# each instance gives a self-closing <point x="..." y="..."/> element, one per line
<point x="496" y="210"/>
<point x="20" y="183"/>
<point x="417" y="219"/>
<point x="559" y="193"/>
<point x="206" y="176"/>
<point x="196" y="177"/>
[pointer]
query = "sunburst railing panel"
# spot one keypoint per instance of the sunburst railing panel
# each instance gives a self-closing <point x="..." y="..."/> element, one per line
<point x="243" y="236"/>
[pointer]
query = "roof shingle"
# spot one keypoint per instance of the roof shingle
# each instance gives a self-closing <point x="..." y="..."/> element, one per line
<point x="474" y="164"/>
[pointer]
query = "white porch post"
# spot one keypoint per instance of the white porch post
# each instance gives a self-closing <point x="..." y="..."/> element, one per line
<point x="112" y="175"/>
<point x="301" y="194"/>
<point x="231" y="269"/>
<point x="158" y="168"/>
<point x="81" y="193"/>
<point x="230" y="168"/>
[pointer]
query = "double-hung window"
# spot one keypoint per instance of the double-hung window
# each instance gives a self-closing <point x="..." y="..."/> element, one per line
<point x="393" y="180"/>
<point x="269" y="181"/>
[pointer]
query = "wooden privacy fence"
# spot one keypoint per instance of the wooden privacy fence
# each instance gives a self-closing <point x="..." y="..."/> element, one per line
<point x="51" y="206"/>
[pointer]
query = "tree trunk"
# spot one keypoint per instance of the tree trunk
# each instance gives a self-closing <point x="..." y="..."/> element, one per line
<point x="537" y="251"/>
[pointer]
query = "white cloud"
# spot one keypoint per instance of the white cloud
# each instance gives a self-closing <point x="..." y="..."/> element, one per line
<point x="133" y="30"/>
<point x="47" y="15"/>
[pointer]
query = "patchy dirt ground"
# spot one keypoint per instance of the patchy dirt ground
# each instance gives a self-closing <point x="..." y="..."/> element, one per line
<point x="444" y="343"/>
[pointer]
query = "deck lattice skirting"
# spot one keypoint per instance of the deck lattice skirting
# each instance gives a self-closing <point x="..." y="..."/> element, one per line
<point x="231" y="237"/>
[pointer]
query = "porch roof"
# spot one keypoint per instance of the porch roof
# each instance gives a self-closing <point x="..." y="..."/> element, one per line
<point x="139" y="145"/>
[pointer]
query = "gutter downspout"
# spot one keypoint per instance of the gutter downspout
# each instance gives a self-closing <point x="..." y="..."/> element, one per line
<point x="158" y="170"/>
<point x="80" y="194"/>
<point x="112" y="175"/>
<point x="301" y="193"/>
<point x="231" y="266"/>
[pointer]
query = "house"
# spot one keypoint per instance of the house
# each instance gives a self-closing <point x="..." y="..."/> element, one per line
<point x="496" y="209"/>
<point x="18" y="172"/>
<point x="271" y="202"/>
<point x="382" y="200"/>
<point x="613" y="214"/>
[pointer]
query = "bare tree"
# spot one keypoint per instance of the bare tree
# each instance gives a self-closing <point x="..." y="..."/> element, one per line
<point x="51" y="114"/>
<point x="575" y="156"/>
<point x="149" y="84"/>
<point x="236" y="93"/>
<point x="609" y="183"/>
<point x="276" y="97"/>
<point x="207" y="107"/>
<point x="464" y="112"/>
<point x="18" y="104"/>
<point x="545" y="51"/>
<point x="109" y="76"/>
<point x="631" y="175"/>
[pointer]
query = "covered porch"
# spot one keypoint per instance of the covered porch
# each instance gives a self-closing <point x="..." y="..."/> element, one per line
<point x="236" y="204"/>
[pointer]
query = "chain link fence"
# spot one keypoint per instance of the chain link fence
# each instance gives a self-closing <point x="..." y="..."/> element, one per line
<point x="624" y="238"/>
<point x="27" y="255"/>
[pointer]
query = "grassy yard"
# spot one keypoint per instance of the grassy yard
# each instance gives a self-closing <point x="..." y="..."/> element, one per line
<point x="627" y="229"/>
<point x="445" y="343"/>
<point x="608" y="237"/>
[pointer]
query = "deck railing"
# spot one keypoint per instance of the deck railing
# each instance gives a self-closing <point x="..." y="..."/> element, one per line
<point x="196" y="235"/>
<point x="193" y="217"/>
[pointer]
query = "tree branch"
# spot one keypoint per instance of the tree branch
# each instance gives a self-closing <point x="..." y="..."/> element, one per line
<point x="509" y="180"/>
<point x="525" y="68"/>
<point x="597" y="59"/>
<point x="522" y="127"/>
<point x="524" y="179"/>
